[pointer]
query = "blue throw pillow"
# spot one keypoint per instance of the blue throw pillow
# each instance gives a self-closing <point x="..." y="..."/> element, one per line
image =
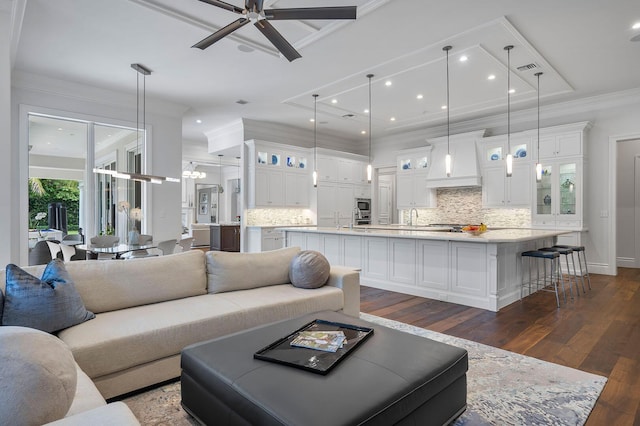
<point x="49" y="304"/>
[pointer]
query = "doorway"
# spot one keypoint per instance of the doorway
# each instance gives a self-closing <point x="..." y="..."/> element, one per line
<point x="386" y="205"/>
<point x="628" y="203"/>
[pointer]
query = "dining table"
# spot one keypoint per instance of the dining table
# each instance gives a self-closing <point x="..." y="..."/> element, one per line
<point x="117" y="250"/>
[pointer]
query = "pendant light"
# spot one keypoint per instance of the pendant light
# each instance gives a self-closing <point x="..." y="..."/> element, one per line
<point x="315" y="141"/>
<point x="447" y="158"/>
<point x="237" y="189"/>
<point x="136" y="174"/>
<point x="220" y="189"/>
<point x="369" y="168"/>
<point x="509" y="156"/>
<point x="190" y="172"/>
<point x="538" y="164"/>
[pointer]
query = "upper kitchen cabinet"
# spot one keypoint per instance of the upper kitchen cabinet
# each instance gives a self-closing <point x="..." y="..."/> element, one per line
<point x="558" y="197"/>
<point x="411" y="179"/>
<point x="499" y="191"/>
<point x="563" y="141"/>
<point x="279" y="175"/>
<point x="494" y="149"/>
<point x="332" y="168"/>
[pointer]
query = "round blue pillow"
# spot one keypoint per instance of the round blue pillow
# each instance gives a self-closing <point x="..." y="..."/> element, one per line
<point x="309" y="269"/>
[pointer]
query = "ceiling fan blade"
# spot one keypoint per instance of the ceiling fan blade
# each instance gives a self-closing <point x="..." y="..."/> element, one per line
<point x="277" y="40"/>
<point x="221" y="33"/>
<point x="341" y="12"/>
<point x="224" y="5"/>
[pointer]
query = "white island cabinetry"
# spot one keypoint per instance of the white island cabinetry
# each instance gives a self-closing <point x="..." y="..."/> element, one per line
<point x="482" y="272"/>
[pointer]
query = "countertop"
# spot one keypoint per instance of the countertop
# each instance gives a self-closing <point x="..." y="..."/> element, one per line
<point x="508" y="235"/>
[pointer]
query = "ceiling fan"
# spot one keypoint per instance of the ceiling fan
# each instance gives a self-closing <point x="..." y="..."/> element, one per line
<point x="253" y="11"/>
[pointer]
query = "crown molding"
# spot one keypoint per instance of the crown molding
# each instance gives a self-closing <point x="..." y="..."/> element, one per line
<point x="83" y="93"/>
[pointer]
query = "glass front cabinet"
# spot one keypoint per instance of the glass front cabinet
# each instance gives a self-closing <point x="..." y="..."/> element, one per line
<point x="558" y="197"/>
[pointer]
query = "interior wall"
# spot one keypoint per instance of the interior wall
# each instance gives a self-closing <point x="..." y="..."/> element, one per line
<point x="9" y="248"/>
<point x="626" y="181"/>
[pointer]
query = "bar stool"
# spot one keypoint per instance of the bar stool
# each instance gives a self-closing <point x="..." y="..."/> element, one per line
<point x="553" y="258"/>
<point x="566" y="252"/>
<point x="578" y="250"/>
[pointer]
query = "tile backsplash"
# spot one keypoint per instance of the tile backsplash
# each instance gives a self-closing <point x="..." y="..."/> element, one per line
<point x="464" y="205"/>
<point x="267" y="217"/>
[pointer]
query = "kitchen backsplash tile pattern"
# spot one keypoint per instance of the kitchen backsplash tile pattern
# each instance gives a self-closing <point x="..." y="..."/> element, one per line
<point x="464" y="205"/>
<point x="267" y="217"/>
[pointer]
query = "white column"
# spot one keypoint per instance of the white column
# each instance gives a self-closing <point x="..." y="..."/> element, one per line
<point x="8" y="173"/>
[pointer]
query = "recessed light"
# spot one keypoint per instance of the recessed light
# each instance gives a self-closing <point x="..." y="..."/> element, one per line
<point x="366" y="111"/>
<point x="419" y="97"/>
<point x="443" y="107"/>
<point x="363" y="132"/>
<point x="334" y="101"/>
<point x="388" y="83"/>
<point x="59" y="129"/>
<point x="636" y="26"/>
<point x="392" y="119"/>
<point x="512" y="90"/>
<point x="491" y="77"/>
<point x="199" y="121"/>
<point x="311" y="120"/>
<point x="463" y="58"/>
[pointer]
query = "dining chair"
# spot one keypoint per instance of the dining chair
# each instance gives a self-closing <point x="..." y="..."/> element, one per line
<point x="167" y="247"/>
<point x="142" y="240"/>
<point x="103" y="241"/>
<point x="186" y="243"/>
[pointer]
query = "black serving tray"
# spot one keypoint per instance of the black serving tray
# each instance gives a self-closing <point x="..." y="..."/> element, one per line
<point x="316" y="361"/>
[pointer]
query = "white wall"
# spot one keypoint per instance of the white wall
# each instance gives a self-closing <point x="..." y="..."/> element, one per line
<point x="613" y="114"/>
<point x="82" y="102"/>
<point x="8" y="192"/>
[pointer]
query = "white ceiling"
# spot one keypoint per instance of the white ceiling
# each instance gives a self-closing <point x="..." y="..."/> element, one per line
<point x="583" y="48"/>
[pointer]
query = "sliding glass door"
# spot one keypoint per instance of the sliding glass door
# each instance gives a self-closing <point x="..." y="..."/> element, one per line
<point x="59" y="169"/>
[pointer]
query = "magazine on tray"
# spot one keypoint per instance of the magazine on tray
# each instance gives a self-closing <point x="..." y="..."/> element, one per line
<point x="328" y="341"/>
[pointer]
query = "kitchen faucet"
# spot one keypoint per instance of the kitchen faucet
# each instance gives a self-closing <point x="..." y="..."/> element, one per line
<point x="411" y="216"/>
<point x="357" y="213"/>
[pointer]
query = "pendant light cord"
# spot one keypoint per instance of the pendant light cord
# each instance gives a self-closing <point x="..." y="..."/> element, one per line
<point x="538" y="74"/>
<point x="370" y="76"/>
<point x="508" y="48"/>
<point x="315" y="131"/>
<point x="446" y="49"/>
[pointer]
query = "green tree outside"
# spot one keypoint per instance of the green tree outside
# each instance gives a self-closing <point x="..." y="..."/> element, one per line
<point x="45" y="191"/>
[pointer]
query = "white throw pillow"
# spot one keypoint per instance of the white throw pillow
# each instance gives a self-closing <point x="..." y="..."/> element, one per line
<point x="38" y="377"/>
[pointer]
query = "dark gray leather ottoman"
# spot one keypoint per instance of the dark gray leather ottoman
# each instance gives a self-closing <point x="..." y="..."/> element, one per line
<point x="391" y="378"/>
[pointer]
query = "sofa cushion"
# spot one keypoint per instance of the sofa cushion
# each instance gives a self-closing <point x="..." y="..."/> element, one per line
<point x="229" y="271"/>
<point x="309" y="269"/>
<point x="112" y="285"/>
<point x="122" y="339"/>
<point x="48" y="304"/>
<point x="37" y="377"/>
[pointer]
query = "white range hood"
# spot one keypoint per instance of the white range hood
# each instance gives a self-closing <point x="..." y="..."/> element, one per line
<point x="465" y="170"/>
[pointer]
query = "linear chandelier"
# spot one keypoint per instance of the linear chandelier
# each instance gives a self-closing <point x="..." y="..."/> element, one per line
<point x="136" y="174"/>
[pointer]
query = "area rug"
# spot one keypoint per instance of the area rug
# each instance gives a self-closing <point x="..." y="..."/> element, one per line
<point x="503" y="388"/>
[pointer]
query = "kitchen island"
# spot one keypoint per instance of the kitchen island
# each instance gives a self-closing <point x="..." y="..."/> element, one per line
<point x="480" y="271"/>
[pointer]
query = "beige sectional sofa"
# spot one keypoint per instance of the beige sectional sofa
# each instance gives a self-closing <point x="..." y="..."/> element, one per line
<point x="147" y="310"/>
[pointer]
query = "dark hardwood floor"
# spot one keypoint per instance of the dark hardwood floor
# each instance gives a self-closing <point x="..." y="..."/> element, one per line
<point x="598" y="332"/>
